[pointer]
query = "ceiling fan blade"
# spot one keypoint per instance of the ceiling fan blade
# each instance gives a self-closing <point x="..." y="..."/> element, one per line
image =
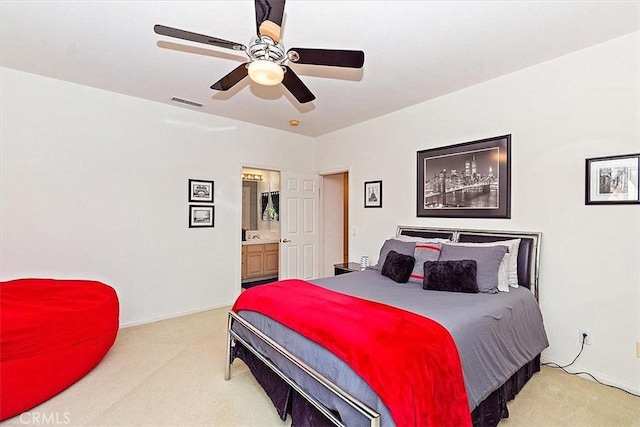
<point x="331" y="57"/>
<point x="298" y="89"/>
<point x="269" y="14"/>
<point x="194" y="37"/>
<point x="231" y="79"/>
<point x="269" y="10"/>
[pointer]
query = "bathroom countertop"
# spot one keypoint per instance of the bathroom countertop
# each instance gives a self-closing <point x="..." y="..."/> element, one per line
<point x="259" y="242"/>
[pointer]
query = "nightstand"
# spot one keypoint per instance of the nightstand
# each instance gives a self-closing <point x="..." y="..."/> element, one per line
<point x="346" y="267"/>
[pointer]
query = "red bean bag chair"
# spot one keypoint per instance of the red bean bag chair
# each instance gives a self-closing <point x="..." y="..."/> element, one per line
<point x="52" y="333"/>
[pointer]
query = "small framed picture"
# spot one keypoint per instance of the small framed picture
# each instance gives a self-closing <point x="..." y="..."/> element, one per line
<point x="373" y="194"/>
<point x="612" y="180"/>
<point x="201" y="216"/>
<point x="200" y="191"/>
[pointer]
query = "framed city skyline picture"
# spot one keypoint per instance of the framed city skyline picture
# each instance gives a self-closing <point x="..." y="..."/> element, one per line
<point x="468" y="180"/>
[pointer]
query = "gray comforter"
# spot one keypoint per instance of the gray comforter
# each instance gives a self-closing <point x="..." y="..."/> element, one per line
<point x="496" y="334"/>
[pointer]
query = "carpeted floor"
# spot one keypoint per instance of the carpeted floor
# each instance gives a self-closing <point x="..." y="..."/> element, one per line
<point x="171" y="373"/>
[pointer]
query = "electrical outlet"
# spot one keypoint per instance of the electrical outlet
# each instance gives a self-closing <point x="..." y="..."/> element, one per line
<point x="582" y="333"/>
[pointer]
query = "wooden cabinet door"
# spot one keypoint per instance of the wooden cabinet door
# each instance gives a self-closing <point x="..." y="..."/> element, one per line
<point x="271" y="259"/>
<point x="255" y="261"/>
<point x="243" y="273"/>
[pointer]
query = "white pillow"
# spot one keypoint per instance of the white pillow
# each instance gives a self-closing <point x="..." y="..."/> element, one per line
<point x="508" y="266"/>
<point x="514" y="248"/>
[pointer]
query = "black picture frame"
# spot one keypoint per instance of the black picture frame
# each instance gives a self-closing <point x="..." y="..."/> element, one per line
<point x="475" y="176"/>
<point x="612" y="180"/>
<point x="200" y="191"/>
<point x="201" y="216"/>
<point x="373" y="194"/>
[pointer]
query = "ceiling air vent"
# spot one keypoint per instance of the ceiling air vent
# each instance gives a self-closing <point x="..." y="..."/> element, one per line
<point x="186" y="102"/>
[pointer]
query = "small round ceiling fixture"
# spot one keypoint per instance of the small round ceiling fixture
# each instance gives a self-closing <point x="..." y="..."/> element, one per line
<point x="294" y="122"/>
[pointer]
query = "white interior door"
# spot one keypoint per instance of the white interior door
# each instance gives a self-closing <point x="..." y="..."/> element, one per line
<point x="299" y="198"/>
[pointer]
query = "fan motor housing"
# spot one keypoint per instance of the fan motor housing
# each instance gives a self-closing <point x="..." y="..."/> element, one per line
<point x="263" y="47"/>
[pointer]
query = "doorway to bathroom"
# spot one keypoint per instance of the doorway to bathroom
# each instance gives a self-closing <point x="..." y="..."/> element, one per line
<point x="260" y="226"/>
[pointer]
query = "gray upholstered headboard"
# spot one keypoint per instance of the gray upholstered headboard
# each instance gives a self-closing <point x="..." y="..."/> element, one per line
<point x="528" y="253"/>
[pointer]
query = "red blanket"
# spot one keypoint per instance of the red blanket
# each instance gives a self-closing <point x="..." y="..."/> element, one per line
<point x="410" y="361"/>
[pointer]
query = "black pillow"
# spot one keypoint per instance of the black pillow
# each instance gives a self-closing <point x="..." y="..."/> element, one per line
<point x="398" y="267"/>
<point x="452" y="276"/>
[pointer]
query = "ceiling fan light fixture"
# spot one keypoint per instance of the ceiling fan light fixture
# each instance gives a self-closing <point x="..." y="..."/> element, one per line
<point x="266" y="72"/>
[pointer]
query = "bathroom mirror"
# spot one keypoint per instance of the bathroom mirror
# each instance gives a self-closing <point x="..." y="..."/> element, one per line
<point x="249" y="205"/>
<point x="260" y="200"/>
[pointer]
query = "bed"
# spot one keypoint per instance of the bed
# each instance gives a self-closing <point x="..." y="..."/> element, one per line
<point x="498" y="335"/>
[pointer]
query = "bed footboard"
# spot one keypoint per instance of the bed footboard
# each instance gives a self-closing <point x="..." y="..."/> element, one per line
<point x="232" y="337"/>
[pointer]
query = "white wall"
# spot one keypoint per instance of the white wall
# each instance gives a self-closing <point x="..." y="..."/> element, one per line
<point x="332" y="194"/>
<point x="559" y="113"/>
<point x="94" y="185"/>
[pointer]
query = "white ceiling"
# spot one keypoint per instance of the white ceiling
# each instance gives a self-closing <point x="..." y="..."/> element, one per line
<point x="414" y="50"/>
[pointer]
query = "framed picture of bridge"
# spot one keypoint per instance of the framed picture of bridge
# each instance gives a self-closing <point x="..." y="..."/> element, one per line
<point x="467" y="180"/>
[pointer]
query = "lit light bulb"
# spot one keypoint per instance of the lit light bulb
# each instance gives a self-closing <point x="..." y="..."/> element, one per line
<point x="265" y="72"/>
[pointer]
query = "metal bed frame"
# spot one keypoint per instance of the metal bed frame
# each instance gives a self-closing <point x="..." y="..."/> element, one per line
<point x="453" y="234"/>
<point x="368" y="412"/>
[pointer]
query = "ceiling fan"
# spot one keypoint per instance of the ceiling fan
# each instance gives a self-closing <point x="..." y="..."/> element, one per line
<point x="267" y="56"/>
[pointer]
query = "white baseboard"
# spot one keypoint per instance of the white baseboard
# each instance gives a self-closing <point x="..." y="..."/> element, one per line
<point x="173" y="315"/>
<point x="635" y="389"/>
